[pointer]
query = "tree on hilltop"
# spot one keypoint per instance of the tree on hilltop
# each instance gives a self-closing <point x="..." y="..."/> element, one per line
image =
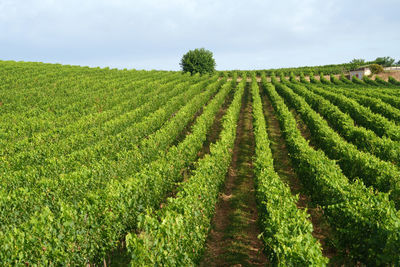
<point x="198" y="61"/>
<point x="356" y="63"/>
<point x="384" y="61"/>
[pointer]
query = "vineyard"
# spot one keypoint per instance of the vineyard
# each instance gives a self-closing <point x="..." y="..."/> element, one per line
<point x="107" y="167"/>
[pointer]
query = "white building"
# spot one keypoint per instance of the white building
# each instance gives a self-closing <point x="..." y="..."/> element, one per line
<point x="391" y="68"/>
<point x="360" y="72"/>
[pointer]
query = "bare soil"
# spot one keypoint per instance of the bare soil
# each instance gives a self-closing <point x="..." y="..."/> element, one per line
<point x="233" y="240"/>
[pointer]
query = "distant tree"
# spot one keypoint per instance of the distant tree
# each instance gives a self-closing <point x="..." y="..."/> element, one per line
<point x="356" y="62"/>
<point x="384" y="61"/>
<point x="198" y="61"/>
<point x="398" y="63"/>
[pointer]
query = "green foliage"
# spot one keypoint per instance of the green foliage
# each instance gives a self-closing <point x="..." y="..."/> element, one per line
<point x="175" y="235"/>
<point x="293" y="78"/>
<point x="313" y="79"/>
<point x="87" y="156"/>
<point x="323" y="79"/>
<point x="335" y="80"/>
<point x="198" y="61"/>
<point x="356" y="63"/>
<point x="384" y="61"/>
<point x="355" y="80"/>
<point x="327" y="69"/>
<point x="303" y="79"/>
<point x="354" y="163"/>
<point x="365" y="140"/>
<point x="344" y="79"/>
<point x="363" y="116"/>
<point x="366" y="223"/>
<point x="286" y="232"/>
<point x="393" y="81"/>
<point x="369" y="81"/>
<point x="376" y="68"/>
<point x="282" y="77"/>
<point x="381" y="81"/>
<point x="94" y="197"/>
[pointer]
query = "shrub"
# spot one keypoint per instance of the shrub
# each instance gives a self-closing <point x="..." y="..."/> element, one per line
<point x="356" y="63"/>
<point x="198" y="61"/>
<point x="375" y="68"/>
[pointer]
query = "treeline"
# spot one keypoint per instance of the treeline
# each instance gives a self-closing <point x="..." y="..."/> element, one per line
<point x="331" y="69"/>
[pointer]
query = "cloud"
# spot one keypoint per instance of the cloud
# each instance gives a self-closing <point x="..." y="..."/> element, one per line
<point x="155" y="33"/>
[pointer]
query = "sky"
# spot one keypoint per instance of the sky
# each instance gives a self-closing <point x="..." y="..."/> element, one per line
<point x="154" y="34"/>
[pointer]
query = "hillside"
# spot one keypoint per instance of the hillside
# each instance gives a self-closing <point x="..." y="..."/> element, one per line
<point x="125" y="167"/>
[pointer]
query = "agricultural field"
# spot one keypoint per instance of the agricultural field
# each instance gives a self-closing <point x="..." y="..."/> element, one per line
<point x="107" y="167"/>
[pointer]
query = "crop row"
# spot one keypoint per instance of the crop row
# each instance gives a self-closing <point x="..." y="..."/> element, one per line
<point x="37" y="152"/>
<point x="361" y="115"/>
<point x="175" y="235"/>
<point x="385" y="95"/>
<point x="286" y="230"/>
<point x="54" y="120"/>
<point x="376" y="105"/>
<point x="365" y="140"/>
<point x="354" y="163"/>
<point x="73" y="194"/>
<point x="366" y="82"/>
<point x="366" y="223"/>
<point x="37" y="108"/>
<point x="90" y="164"/>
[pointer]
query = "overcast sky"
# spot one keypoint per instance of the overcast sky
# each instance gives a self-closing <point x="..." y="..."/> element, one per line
<point x="154" y="34"/>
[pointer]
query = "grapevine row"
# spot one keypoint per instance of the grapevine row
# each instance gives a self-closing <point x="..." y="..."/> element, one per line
<point x="361" y="115"/>
<point x="366" y="222"/>
<point x="175" y="235"/>
<point x="354" y="163"/>
<point x="286" y="231"/>
<point x="365" y="140"/>
<point x="97" y="212"/>
<point x="374" y="104"/>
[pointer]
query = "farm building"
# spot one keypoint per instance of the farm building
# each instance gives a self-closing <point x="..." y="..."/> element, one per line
<point x="391" y="68"/>
<point x="360" y="72"/>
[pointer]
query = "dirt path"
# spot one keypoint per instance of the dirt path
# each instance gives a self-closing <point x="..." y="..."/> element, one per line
<point x="233" y="238"/>
<point x="284" y="168"/>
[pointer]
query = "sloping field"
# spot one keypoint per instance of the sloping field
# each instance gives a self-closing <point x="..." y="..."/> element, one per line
<point x="141" y="168"/>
